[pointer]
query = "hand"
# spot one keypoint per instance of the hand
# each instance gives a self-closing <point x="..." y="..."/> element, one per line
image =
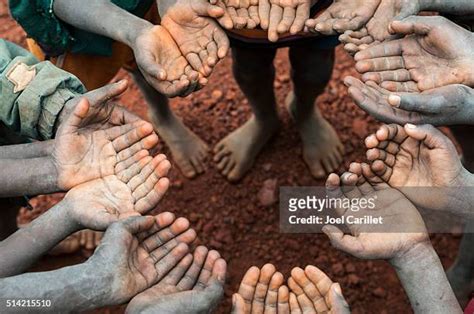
<point x="138" y="252"/>
<point x="197" y="35"/>
<point x="378" y="29"/>
<point x="438" y="53"/>
<point x="402" y="226"/>
<point x="103" y="113"/>
<point x="281" y="16"/>
<point x="195" y="285"/>
<point x="449" y="105"/>
<point x="343" y="15"/>
<point x="261" y="291"/>
<point x="82" y="155"/>
<point x="134" y="191"/>
<point x="423" y="164"/>
<point x="238" y="14"/>
<point x="163" y="65"/>
<point x="312" y="291"/>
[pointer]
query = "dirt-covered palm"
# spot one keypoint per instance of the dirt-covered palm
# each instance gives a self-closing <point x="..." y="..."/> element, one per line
<point x="315" y="292"/>
<point x="435" y="53"/>
<point x="448" y="105"/>
<point x="163" y="65"/>
<point x="402" y="228"/>
<point x="421" y="162"/>
<point x="82" y="154"/>
<point x="134" y="191"/>
<point x="238" y="14"/>
<point x="195" y="285"/>
<point x="142" y="250"/>
<point x="197" y="34"/>
<point x="343" y="15"/>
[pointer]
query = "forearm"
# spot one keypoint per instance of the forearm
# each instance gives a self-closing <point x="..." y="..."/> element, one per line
<point x="456" y="7"/>
<point x="70" y="289"/>
<point x="424" y="280"/>
<point x="30" y="150"/>
<point x="28" y="244"/>
<point x="88" y="15"/>
<point x="30" y="176"/>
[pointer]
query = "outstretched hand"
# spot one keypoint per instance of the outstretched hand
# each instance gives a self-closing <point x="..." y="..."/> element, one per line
<point x="448" y="105"/>
<point x="194" y="285"/>
<point x="343" y="15"/>
<point x="142" y="250"/>
<point x="312" y="291"/>
<point x="83" y="154"/>
<point x="238" y="14"/>
<point x="435" y="53"/>
<point x="402" y="228"/>
<point x="197" y="34"/>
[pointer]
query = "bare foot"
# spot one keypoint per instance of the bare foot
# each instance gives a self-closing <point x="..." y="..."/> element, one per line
<point x="188" y="150"/>
<point x="322" y="149"/>
<point x="236" y="153"/>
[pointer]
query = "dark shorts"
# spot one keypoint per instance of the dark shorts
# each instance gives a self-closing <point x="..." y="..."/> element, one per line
<point x="323" y="42"/>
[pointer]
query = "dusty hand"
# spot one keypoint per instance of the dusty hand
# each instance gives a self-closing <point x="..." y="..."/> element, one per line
<point x="139" y="251"/>
<point x="402" y="226"/>
<point x="343" y="15"/>
<point x="312" y="291"/>
<point x="281" y="16"/>
<point x="194" y="285"/>
<point x="83" y="154"/>
<point x="436" y="53"/>
<point x="422" y="163"/>
<point x="103" y="113"/>
<point x="163" y="65"/>
<point x="448" y="105"/>
<point x="134" y="190"/>
<point x="198" y="36"/>
<point x="261" y="290"/>
<point x="238" y="14"/>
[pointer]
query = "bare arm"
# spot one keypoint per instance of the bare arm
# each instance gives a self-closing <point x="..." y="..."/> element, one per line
<point x="424" y="280"/>
<point x="87" y="15"/>
<point x="41" y="235"/>
<point x="457" y="7"/>
<point x="29" y="150"/>
<point x="31" y="176"/>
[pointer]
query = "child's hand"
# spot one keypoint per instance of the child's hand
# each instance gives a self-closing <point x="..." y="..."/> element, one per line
<point x="191" y="24"/>
<point x="312" y="291"/>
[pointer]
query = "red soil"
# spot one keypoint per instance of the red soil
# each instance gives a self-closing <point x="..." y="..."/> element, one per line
<point x="229" y="217"/>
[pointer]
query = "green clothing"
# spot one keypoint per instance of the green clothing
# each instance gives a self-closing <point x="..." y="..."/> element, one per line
<point x="31" y="111"/>
<point x="56" y="37"/>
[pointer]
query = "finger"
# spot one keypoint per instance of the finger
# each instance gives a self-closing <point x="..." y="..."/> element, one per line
<point x="380" y="64"/>
<point x="191" y="277"/>
<point x="412" y="25"/>
<point x="195" y="62"/>
<point x="288" y="17"/>
<point x="238" y="21"/>
<point x="319" y="279"/>
<point x="151" y="200"/>
<point x="271" y="299"/>
<point x="147" y="143"/>
<point x="386" y="49"/>
<point x="266" y="274"/>
<point x="74" y="120"/>
<point x="149" y="183"/>
<point x="415" y="102"/>
<point x="127" y="174"/>
<point x="164" y="265"/>
<point x="302" y="14"/>
<point x="206" y="271"/>
<point x="206" y="9"/>
<point x="283" y="299"/>
<point x="338" y="302"/>
<point x="101" y="95"/>
<point x="145" y="172"/>
<point x="310" y="289"/>
<point x="401" y="75"/>
<point x="264" y="13"/>
<point x="248" y="285"/>
<point x="136" y="225"/>
<point x="305" y="303"/>
<point x="238" y="304"/>
<point x="253" y="13"/>
<point x="175" y="275"/>
<point x="222" y="42"/>
<point x="276" y="14"/>
<point x="400" y="87"/>
<point x="430" y="136"/>
<point x="123" y="165"/>
<point x="165" y="234"/>
<point x="162" y="220"/>
<point x="130" y="134"/>
<point x="294" y="306"/>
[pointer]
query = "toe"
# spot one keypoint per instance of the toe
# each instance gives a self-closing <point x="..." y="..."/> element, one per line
<point x="197" y="164"/>
<point x="221" y="153"/>
<point x="317" y="171"/>
<point x="228" y="168"/>
<point x="223" y="163"/>
<point x="187" y="169"/>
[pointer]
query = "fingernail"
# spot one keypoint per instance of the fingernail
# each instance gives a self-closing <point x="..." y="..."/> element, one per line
<point x="410" y="126"/>
<point x="318" y="27"/>
<point x="394" y="100"/>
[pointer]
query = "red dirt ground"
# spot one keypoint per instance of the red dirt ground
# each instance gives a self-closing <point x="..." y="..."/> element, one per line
<point x="229" y="218"/>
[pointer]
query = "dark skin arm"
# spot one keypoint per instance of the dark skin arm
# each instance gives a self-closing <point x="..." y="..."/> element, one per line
<point x="29" y="150"/>
<point x="156" y="53"/>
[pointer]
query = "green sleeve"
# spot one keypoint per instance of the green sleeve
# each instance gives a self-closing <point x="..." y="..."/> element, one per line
<point x="56" y="37"/>
<point x="31" y="110"/>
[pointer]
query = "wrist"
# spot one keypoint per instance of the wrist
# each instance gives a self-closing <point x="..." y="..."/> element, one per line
<point x="131" y="37"/>
<point x="50" y="177"/>
<point x="418" y="254"/>
<point x="63" y="215"/>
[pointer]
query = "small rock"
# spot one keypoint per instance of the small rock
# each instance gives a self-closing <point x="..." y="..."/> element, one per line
<point x="350" y="268"/>
<point x="353" y="279"/>
<point x="178" y="184"/>
<point x="267" y="166"/>
<point x="267" y="195"/>
<point x="216" y="95"/>
<point x="338" y="269"/>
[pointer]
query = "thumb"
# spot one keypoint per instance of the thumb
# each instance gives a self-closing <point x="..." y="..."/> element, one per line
<point x="429" y="135"/>
<point x="413" y="102"/>
<point x="135" y="225"/>
<point x="238" y="304"/>
<point x="74" y="121"/>
<point x="204" y="8"/>
<point x="407" y="9"/>
<point x="411" y="25"/>
<point x="337" y="302"/>
<point x="104" y="94"/>
<point x="343" y="242"/>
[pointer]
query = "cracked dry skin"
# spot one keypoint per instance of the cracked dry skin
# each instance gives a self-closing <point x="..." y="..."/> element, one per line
<point x="226" y="216"/>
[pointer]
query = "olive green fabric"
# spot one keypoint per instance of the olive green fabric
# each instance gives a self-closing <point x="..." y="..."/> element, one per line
<point x="56" y="37"/>
<point x="31" y="113"/>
